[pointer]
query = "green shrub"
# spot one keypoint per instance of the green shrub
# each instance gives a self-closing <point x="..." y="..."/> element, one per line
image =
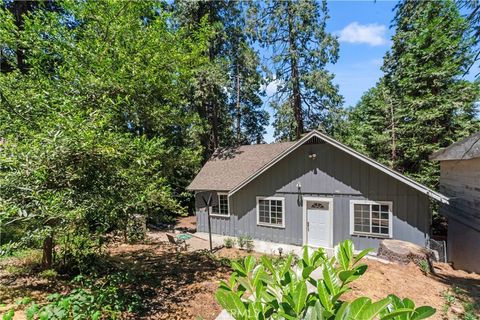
<point x="100" y="299"/>
<point x="264" y="291"/>
<point x="424" y="266"/>
<point x="48" y="274"/>
<point x="243" y="240"/>
<point x="249" y="245"/>
<point x="229" y="242"/>
<point x="136" y="229"/>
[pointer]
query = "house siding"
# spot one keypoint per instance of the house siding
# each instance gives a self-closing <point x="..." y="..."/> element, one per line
<point x="460" y="180"/>
<point x="333" y="174"/>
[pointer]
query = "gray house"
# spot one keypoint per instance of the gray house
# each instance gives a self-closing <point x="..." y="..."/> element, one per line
<point x="314" y="191"/>
<point x="460" y="180"/>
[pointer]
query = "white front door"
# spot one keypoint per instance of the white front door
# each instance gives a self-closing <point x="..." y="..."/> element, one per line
<point x="319" y="223"/>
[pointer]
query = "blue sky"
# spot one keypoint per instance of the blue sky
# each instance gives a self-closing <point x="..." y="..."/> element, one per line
<point x="364" y="36"/>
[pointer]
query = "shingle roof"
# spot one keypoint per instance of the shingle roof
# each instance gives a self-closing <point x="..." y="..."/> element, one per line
<point x="231" y="169"/>
<point x="228" y="167"/>
<point x="467" y="148"/>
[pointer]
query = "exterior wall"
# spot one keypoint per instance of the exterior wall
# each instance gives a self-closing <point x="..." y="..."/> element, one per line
<point x="463" y="248"/>
<point x="332" y="174"/>
<point x="460" y="180"/>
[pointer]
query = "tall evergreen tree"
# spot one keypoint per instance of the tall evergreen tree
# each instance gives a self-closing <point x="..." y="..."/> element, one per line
<point x="208" y="96"/>
<point x="295" y="34"/>
<point x="250" y="119"/>
<point x="472" y="7"/>
<point x="422" y="103"/>
<point x="226" y="94"/>
<point x="372" y="126"/>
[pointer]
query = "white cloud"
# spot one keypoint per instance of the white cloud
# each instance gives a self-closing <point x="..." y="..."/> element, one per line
<point x="271" y="87"/>
<point x="372" y="34"/>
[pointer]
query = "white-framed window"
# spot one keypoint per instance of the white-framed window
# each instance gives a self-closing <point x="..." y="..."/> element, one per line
<point x="222" y="209"/>
<point x="372" y="218"/>
<point x="271" y="211"/>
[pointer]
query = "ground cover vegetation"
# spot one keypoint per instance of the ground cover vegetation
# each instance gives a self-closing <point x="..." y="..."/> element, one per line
<point x="109" y="108"/>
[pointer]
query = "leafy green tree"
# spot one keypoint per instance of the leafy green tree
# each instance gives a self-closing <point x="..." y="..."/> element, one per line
<point x="101" y="132"/>
<point x="295" y="34"/>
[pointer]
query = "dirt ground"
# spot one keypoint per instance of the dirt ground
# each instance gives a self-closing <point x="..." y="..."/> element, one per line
<point x="382" y="279"/>
<point x="182" y="285"/>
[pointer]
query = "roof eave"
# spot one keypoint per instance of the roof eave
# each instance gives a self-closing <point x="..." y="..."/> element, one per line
<point x="412" y="183"/>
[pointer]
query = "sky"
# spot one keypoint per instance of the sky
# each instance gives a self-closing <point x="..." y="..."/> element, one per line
<point x="364" y="37"/>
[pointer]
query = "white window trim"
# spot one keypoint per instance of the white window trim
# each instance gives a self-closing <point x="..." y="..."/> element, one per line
<point x="374" y="235"/>
<point x="218" y="200"/>
<point x="271" y="224"/>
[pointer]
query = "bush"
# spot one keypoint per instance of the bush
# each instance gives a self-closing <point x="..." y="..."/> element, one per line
<point x="48" y="274"/>
<point x="424" y="266"/>
<point x="229" y="242"/>
<point x="264" y="291"/>
<point x="243" y="240"/>
<point x="136" y="229"/>
<point x="249" y="245"/>
<point x="100" y="299"/>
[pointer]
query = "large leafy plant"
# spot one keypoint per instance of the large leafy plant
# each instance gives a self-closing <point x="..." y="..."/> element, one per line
<point x="309" y="289"/>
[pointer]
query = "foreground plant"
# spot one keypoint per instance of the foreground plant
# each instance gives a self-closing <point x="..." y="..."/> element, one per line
<point x="286" y="290"/>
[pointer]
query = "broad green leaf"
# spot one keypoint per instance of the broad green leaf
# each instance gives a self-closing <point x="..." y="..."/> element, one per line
<point x="362" y="254"/>
<point x="374" y="309"/>
<point x="300" y="296"/>
<point x="423" y="312"/>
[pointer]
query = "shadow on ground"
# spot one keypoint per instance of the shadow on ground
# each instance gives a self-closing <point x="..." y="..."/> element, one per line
<point x="468" y="286"/>
<point x="167" y="280"/>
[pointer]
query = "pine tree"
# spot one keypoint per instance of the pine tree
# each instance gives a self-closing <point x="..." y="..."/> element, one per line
<point x="422" y="103"/>
<point x="295" y="33"/>
<point x="250" y="119"/>
<point x="226" y="93"/>
<point x="472" y="8"/>
<point x="372" y="126"/>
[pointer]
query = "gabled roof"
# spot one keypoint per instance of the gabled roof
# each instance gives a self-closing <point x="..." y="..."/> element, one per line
<point x="228" y="167"/>
<point x="225" y="168"/>
<point x="467" y="148"/>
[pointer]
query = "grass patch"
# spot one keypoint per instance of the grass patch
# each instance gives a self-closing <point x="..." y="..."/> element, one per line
<point x="457" y="299"/>
<point x="23" y="261"/>
<point x="20" y="254"/>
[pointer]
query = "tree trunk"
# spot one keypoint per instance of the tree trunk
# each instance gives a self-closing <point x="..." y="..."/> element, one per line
<point x="296" y="99"/>
<point x="213" y="93"/>
<point x="239" y="114"/>
<point x="47" y="258"/>
<point x="215" y="138"/>
<point x="394" y="133"/>
<point x="19" y="8"/>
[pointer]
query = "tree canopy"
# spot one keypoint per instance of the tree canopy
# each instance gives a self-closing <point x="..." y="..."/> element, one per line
<point x="422" y="103"/>
<point x="109" y="108"/>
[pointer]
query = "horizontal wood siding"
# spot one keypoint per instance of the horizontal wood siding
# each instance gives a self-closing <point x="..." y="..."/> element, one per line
<point x="463" y="247"/>
<point x="332" y="174"/>
<point x="460" y="180"/>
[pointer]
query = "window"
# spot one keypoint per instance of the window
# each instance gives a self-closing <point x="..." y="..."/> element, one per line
<point x="372" y="218"/>
<point x="270" y="211"/>
<point x="222" y="208"/>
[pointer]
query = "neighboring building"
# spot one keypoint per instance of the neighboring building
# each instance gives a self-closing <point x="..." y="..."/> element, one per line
<point x="314" y="191"/>
<point x="460" y="180"/>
